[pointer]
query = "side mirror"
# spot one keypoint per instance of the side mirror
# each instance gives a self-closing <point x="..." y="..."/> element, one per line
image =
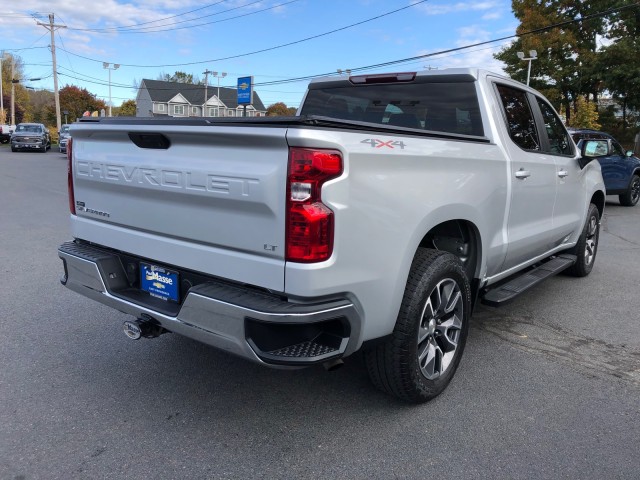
<point x="629" y="153"/>
<point x="593" y="149"/>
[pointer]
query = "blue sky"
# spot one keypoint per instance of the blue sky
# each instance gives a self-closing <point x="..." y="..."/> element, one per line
<point x="150" y="37"/>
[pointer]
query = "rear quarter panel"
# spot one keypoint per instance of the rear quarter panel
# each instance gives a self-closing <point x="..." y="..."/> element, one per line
<point x="386" y="201"/>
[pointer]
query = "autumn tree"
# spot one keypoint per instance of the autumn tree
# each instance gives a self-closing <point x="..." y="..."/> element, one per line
<point x="21" y="98"/>
<point x="76" y="101"/>
<point x="586" y="115"/>
<point x="40" y="103"/>
<point x="127" y="109"/>
<point x="280" y="109"/>
<point x="19" y="110"/>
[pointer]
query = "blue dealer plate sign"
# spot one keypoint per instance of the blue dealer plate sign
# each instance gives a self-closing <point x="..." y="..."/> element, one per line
<point x="159" y="282"/>
<point x="245" y="90"/>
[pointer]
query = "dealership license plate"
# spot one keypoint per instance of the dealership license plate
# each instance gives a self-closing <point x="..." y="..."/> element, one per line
<point x="159" y="282"/>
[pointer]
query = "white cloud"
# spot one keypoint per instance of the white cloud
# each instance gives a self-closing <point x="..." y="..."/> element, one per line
<point x="492" y="16"/>
<point x="478" y="57"/>
<point x="443" y="9"/>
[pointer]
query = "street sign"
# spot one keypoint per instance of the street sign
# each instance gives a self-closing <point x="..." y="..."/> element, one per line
<point x="245" y="90"/>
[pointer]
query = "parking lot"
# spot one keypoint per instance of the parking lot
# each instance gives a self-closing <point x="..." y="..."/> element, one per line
<point x="548" y="387"/>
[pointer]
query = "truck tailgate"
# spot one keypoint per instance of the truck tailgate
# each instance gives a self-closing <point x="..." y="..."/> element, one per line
<point x="212" y="199"/>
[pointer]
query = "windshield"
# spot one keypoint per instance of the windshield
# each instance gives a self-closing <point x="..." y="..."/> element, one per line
<point x="29" y="128"/>
<point x="64" y="129"/>
<point x="450" y="107"/>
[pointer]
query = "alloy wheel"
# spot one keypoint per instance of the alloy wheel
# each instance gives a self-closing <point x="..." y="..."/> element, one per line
<point x="439" y="329"/>
<point x="592" y="241"/>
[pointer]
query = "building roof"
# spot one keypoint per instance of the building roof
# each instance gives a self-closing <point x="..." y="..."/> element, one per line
<point x="161" y="91"/>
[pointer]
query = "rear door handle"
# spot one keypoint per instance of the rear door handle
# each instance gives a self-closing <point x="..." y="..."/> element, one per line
<point x="522" y="174"/>
<point x="563" y="173"/>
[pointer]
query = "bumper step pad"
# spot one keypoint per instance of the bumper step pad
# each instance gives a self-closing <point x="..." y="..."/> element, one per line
<point x="506" y="292"/>
<point x="307" y="349"/>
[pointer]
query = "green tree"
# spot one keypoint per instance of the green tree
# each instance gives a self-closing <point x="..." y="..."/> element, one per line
<point x="127" y="109"/>
<point x="586" y="115"/>
<point x="618" y="61"/>
<point x="567" y="56"/>
<point x="180" y="77"/>
<point x="280" y="109"/>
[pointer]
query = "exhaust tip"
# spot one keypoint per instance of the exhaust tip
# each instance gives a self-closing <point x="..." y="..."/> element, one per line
<point x="132" y="330"/>
<point x="333" y="365"/>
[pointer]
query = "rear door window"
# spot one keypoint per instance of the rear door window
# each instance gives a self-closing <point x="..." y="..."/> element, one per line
<point x="559" y="142"/>
<point x="519" y="117"/>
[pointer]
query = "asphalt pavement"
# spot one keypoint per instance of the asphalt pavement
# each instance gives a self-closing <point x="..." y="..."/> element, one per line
<point x="548" y="388"/>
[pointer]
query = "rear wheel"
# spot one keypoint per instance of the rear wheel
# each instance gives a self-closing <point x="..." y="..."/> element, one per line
<point x="420" y="358"/>
<point x="587" y="245"/>
<point x="14" y="149"/>
<point x="632" y="195"/>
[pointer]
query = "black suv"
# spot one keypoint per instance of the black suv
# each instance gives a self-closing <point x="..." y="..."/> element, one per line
<point x="29" y="136"/>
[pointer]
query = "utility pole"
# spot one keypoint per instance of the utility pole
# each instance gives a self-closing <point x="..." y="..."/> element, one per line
<point x="52" y="27"/>
<point x="2" y="115"/>
<point x="13" y="91"/>
<point x="206" y="84"/>
<point x="221" y="74"/>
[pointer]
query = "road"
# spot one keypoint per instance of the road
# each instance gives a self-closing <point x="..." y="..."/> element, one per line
<point x="548" y="388"/>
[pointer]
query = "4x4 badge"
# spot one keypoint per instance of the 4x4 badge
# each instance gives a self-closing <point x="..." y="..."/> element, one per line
<point x="377" y="143"/>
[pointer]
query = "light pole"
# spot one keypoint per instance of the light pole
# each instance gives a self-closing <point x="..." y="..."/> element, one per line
<point x="533" y="55"/>
<point x="219" y="75"/>
<point x="109" y="67"/>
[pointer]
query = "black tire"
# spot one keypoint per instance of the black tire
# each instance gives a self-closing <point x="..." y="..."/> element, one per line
<point x="14" y="149"/>
<point x="437" y="281"/>
<point x="587" y="246"/>
<point x="632" y="195"/>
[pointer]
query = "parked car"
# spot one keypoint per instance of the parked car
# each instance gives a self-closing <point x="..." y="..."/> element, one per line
<point x="31" y="136"/>
<point x="620" y="169"/>
<point x="5" y="133"/>
<point x="63" y="138"/>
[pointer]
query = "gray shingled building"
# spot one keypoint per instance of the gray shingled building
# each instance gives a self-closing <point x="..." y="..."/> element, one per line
<point x="158" y="98"/>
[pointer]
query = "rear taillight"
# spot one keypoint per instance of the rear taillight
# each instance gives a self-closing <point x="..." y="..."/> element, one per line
<point x="72" y="200"/>
<point x="310" y="223"/>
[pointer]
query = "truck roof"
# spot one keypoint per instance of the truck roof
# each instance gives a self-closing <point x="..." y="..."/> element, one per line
<point x="475" y="73"/>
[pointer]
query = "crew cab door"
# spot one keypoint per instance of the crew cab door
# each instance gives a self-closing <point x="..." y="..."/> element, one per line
<point x="533" y="180"/>
<point x="571" y="203"/>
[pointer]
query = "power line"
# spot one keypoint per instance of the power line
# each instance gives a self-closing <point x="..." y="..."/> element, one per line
<point x="418" y="57"/>
<point x="264" y="49"/>
<point x="154" y="21"/>
<point x="148" y="29"/>
<point x="433" y="54"/>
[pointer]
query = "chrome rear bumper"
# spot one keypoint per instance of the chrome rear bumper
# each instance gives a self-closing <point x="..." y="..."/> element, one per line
<point x="238" y="319"/>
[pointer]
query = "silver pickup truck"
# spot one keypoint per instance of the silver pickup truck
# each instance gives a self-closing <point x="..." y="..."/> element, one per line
<point x="373" y="221"/>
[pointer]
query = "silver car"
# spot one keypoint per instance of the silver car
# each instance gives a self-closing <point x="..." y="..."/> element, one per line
<point x="64" y="137"/>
